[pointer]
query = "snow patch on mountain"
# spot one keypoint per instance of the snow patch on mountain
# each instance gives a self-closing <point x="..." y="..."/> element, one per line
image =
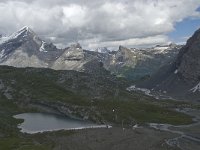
<point x="161" y="48"/>
<point x="164" y="49"/>
<point x="176" y="71"/>
<point x="102" y="50"/>
<point x="2" y="53"/>
<point x="3" y="40"/>
<point x="196" y="88"/>
<point x="134" y="88"/>
<point x="42" y="48"/>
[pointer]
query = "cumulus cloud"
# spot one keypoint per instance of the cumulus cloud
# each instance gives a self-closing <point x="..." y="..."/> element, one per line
<point x="96" y="23"/>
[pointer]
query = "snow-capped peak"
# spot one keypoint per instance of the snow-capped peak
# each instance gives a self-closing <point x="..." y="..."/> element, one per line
<point x="25" y="29"/>
<point x="22" y="33"/>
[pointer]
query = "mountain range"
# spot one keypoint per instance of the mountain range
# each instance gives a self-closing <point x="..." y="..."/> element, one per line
<point x="168" y="69"/>
<point x="25" y="48"/>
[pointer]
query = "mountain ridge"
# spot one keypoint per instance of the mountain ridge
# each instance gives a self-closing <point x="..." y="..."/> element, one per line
<point x="25" y="49"/>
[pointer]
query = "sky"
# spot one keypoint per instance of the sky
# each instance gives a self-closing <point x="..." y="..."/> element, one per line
<point x="184" y="30"/>
<point x="103" y="23"/>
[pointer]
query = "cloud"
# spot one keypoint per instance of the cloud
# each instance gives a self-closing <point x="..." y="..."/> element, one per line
<point x="96" y="23"/>
<point x="146" y="41"/>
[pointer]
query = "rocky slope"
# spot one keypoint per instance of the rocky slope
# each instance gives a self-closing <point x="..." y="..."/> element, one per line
<point x="137" y="63"/>
<point x="181" y="78"/>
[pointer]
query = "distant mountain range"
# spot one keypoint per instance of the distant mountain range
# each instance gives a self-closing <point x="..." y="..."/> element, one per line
<point x="136" y="63"/>
<point x="25" y="49"/>
<point x="180" y="78"/>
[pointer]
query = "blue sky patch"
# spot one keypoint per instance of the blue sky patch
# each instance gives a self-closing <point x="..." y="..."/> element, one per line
<point x="185" y="29"/>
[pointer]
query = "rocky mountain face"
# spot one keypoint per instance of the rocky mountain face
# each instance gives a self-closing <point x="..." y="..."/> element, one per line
<point x="137" y="63"/>
<point x="73" y="58"/>
<point x="25" y="49"/>
<point x="181" y="78"/>
<point x="188" y="63"/>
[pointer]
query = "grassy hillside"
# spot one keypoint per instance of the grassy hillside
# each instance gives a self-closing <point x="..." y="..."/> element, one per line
<point x="84" y="95"/>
